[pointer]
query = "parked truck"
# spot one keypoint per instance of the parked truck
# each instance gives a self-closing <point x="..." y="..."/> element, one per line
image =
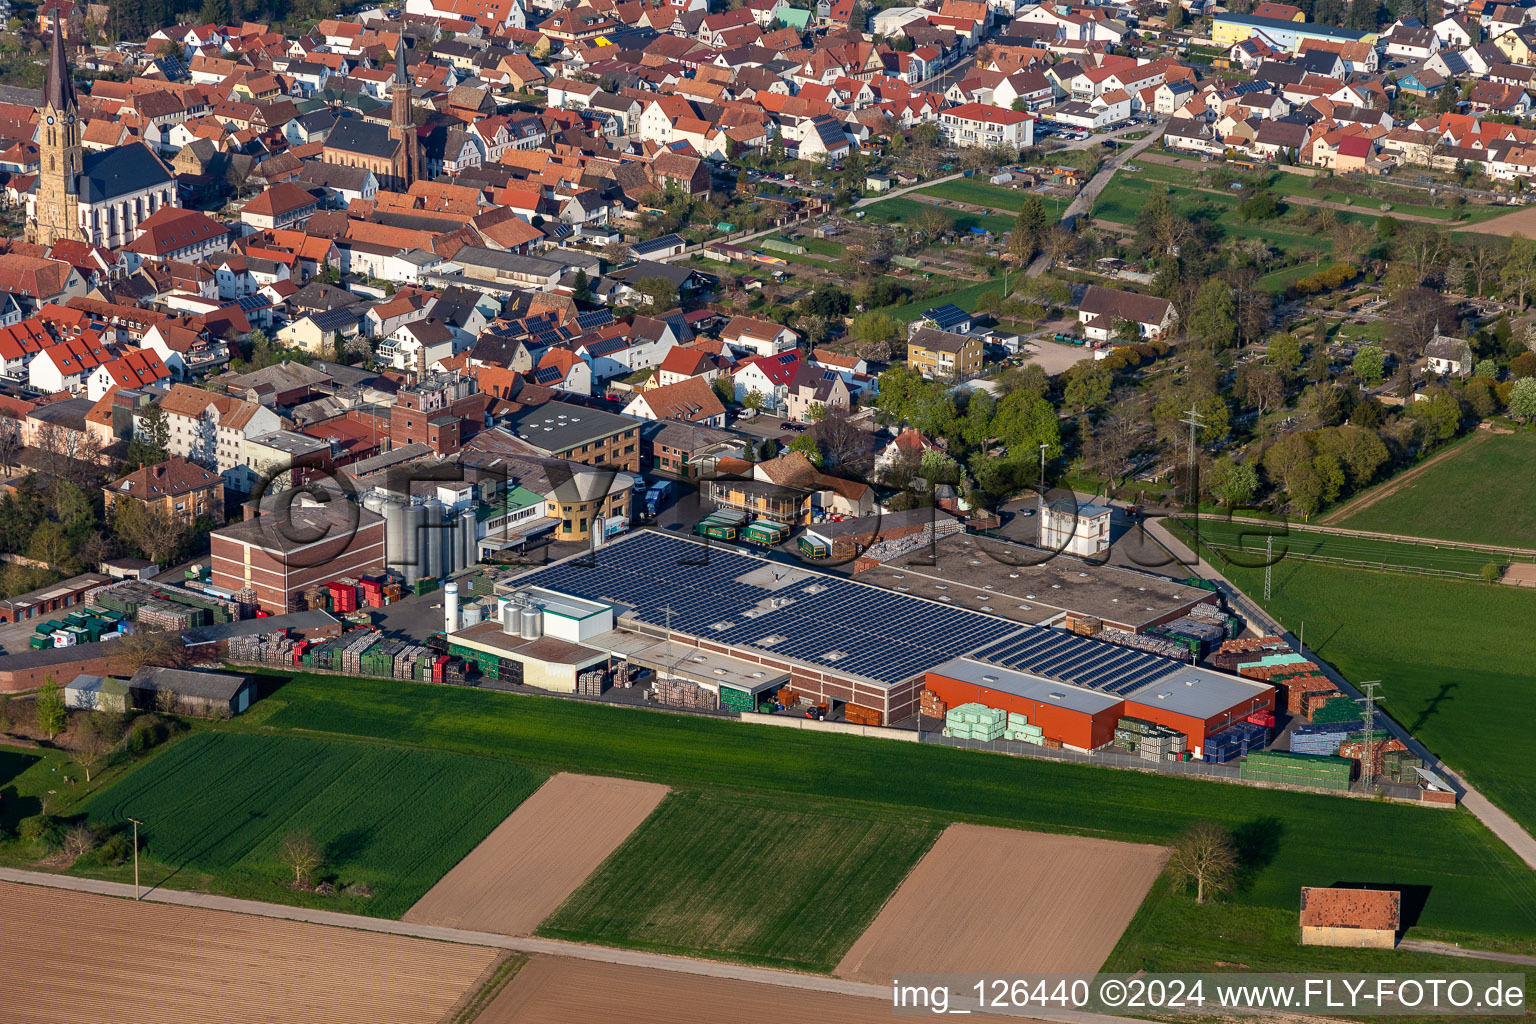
<point x="656" y="497"/>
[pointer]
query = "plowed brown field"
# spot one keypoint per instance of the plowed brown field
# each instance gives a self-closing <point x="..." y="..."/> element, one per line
<point x="552" y="990"/>
<point x="545" y="849"/>
<point x="90" y="959"/>
<point x="998" y="899"/>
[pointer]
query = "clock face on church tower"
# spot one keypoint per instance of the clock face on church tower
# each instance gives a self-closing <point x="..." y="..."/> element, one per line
<point x="50" y="120"/>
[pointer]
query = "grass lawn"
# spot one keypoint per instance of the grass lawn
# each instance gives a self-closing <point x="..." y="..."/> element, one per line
<point x="964" y="295"/>
<point x="998" y="197"/>
<point x="1484" y="493"/>
<point x="1243" y="542"/>
<point x="392" y="819"/>
<point x="1481" y="892"/>
<point x="890" y="211"/>
<point x="1450" y="654"/>
<point x="735" y="879"/>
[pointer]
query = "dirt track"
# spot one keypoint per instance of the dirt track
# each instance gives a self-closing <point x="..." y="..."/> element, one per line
<point x="545" y="849"/>
<point x="91" y="959"/>
<point x="998" y="899"/>
<point x="551" y="990"/>
<point x="1521" y="222"/>
<point x="1397" y="483"/>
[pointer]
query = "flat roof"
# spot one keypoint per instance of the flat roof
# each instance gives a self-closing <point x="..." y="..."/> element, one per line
<point x="558" y="427"/>
<point x="545" y="648"/>
<point x="1198" y="692"/>
<point x="689" y="661"/>
<point x="996" y="576"/>
<point x="301" y="526"/>
<point x="1023" y="684"/>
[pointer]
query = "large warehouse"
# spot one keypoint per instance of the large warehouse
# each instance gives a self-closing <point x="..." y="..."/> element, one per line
<point x="724" y="612"/>
<point x="282" y="553"/>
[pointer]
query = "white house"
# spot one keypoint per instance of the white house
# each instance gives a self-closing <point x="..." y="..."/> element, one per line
<point x="760" y="337"/>
<point x="1103" y="308"/>
<point x="980" y="124"/>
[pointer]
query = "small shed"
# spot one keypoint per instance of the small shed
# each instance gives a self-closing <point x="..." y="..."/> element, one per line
<point x="185" y="692"/>
<point x="1078" y="529"/>
<point x="878" y="181"/>
<point x="96" y="693"/>
<point x="1350" y="917"/>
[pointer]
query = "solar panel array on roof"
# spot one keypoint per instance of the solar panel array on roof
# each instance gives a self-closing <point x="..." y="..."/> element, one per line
<point x="844" y="626"/>
<point x="596" y="318"/>
<point x="1077" y="660"/>
<point x="946" y="316"/>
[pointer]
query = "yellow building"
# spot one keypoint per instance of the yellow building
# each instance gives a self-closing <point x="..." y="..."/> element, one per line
<point x="943" y="355"/>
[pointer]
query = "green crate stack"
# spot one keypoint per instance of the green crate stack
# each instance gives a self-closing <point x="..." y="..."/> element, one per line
<point x="1316" y="771"/>
<point x="1399" y="765"/>
<point x="732" y="699"/>
<point x="425" y="586"/>
<point x="1337" y="709"/>
<point x="1019" y="730"/>
<point x="975" y="722"/>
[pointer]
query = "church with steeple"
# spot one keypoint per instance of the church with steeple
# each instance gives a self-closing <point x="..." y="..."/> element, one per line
<point x="83" y="195"/>
<point x="392" y="152"/>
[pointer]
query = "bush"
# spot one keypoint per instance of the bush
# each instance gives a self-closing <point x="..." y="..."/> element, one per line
<point x="117" y="849"/>
<point x="1326" y="280"/>
<point x="42" y="829"/>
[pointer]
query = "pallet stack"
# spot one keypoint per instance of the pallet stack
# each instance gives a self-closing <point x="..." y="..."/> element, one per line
<point x="1298" y="769"/>
<point x="857" y="714"/>
<point x="1355" y="750"/>
<point x="591" y="682"/>
<point x="931" y="706"/>
<point x="1298" y="687"/>
<point x="680" y="693"/>
<point x="1234" y="741"/>
<point x="1020" y="731"/>
<point x="975" y="722"/>
<point x="1148" y="642"/>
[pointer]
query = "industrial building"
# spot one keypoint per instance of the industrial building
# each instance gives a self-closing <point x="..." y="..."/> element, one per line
<point x="1032" y="586"/>
<point x="691" y="609"/>
<point x="283" y="551"/>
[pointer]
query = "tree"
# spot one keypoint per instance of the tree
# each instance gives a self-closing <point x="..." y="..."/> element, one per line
<point x="1522" y="399"/>
<point x="806" y="445"/>
<point x="1482" y="260"/>
<point x="1370" y="364"/>
<point x="49" y="708"/>
<point x="1030" y="225"/>
<point x="88" y="753"/>
<point x="1088" y="384"/>
<point x="1284" y="352"/>
<point x="660" y="293"/>
<point x="753" y="399"/>
<point x="725" y="389"/>
<point x="1518" y="271"/>
<point x="1235" y="483"/>
<point x="151" y="649"/>
<point x="155" y="532"/>
<point x="1265" y="389"/>
<point x="616" y="253"/>
<point x="1127" y="333"/>
<point x="814" y="328"/>
<point x="1205" y="856"/>
<point x="581" y="288"/>
<point x="1109" y="448"/>
<point x="1213" y="317"/>
<point x="300" y="853"/>
<point x="931" y="223"/>
<point x="10" y="438"/>
<point x="1486" y="368"/>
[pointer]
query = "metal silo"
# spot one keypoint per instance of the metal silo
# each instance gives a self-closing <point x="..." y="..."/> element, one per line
<point x="411" y="555"/>
<point x="432" y="540"/>
<point x="468" y="553"/>
<point x="532" y="622"/>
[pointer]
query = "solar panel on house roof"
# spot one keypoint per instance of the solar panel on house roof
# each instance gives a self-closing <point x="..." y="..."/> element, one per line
<point x="596" y="318"/>
<point x="947" y="316"/>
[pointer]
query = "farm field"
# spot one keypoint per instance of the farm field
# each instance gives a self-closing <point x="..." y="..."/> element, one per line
<point x="1481" y="893"/>
<point x="968" y="906"/>
<point x="1450" y="655"/>
<point x="1516" y="222"/>
<point x="1456" y="498"/>
<point x="136" y="963"/>
<point x="738" y="878"/>
<point x="536" y="858"/>
<point x="556" y="990"/>
<point x="393" y="820"/>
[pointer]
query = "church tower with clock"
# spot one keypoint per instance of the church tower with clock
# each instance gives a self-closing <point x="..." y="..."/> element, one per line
<point x="57" y="210"/>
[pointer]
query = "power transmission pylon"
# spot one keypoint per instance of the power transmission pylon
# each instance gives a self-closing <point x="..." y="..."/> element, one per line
<point x="1269" y="565"/>
<point x="1368" y="755"/>
<point x="1193" y="418"/>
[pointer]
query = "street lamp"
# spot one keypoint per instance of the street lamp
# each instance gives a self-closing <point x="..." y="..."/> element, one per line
<point x="136" y="824"/>
<point x="1043" y="447"/>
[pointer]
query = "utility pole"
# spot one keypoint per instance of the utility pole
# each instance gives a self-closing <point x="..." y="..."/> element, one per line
<point x="1193" y="418"/>
<point x="136" y="824"/>
<point x="1269" y="565"/>
<point x="1043" y="447"/>
<point x="1368" y="755"/>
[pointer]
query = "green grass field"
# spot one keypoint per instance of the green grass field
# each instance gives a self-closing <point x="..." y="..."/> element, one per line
<point x="997" y="197"/>
<point x="1124" y="197"/>
<point x="890" y="211"/>
<point x="1484" y="492"/>
<point x="1480" y="893"/>
<point x="1450" y="653"/>
<point x="964" y="295"/>
<point x="735" y="878"/>
<point x="395" y="820"/>
<point x="1244" y="541"/>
